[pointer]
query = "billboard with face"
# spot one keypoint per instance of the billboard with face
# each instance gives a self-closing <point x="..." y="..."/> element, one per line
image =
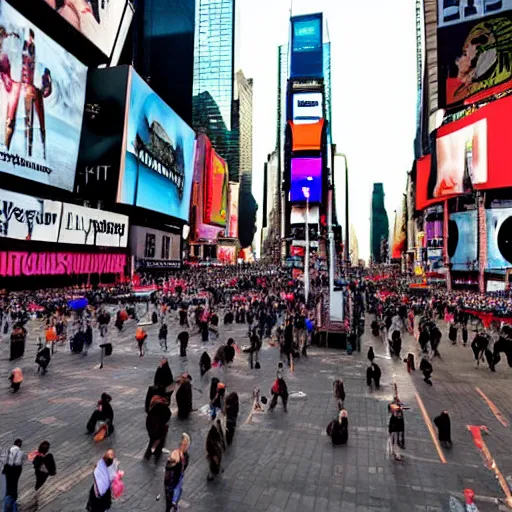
<point x="42" y="91"/>
<point x="159" y="152"/>
<point x="98" y="20"/>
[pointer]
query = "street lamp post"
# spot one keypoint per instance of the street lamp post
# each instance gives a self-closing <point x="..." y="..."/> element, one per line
<point x="305" y="191"/>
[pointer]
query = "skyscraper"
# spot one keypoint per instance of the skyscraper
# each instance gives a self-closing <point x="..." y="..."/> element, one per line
<point x="213" y="109"/>
<point x="379" y="228"/>
<point x="163" y="32"/>
<point x="244" y="108"/>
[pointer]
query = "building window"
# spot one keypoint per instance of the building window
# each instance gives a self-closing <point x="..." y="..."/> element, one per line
<point x="166" y="246"/>
<point x="149" y="248"/>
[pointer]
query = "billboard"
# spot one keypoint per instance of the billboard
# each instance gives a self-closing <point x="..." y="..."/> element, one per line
<point x="306" y="177"/>
<point x="99" y="21"/>
<point x="234" y="192"/>
<point x="499" y="238"/>
<point x="307" y="137"/>
<point x="474" y="59"/>
<point x="462" y="240"/>
<point x="307" y="107"/>
<point x="103" y="129"/>
<point x="452" y="12"/>
<point x="159" y="145"/>
<point x="226" y="254"/>
<point x="42" y="91"/>
<point x="30" y="218"/>
<point x="459" y="166"/>
<point x="298" y="215"/>
<point x="461" y="161"/>
<point x="216" y="191"/>
<point x="306" y="46"/>
<point x="14" y="263"/>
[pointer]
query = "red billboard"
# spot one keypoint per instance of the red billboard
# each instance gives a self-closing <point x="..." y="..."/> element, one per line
<point x="469" y="154"/>
<point x="216" y="191"/>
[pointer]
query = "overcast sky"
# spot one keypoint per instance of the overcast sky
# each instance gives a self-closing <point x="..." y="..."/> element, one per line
<point x="373" y="89"/>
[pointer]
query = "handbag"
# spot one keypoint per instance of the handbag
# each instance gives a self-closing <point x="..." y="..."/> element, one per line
<point x="117" y="485"/>
<point x="101" y="434"/>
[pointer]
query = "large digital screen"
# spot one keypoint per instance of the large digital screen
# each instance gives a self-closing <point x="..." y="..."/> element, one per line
<point x="234" y="193"/>
<point x="306" y="179"/>
<point x="496" y="143"/>
<point x="462" y="240"/>
<point x="159" y="155"/>
<point x="452" y="12"/>
<point x="216" y="191"/>
<point x="307" y="48"/>
<point x="307" y="137"/>
<point x="98" y="20"/>
<point x="307" y="107"/>
<point x="499" y="238"/>
<point x="474" y="59"/>
<point x="42" y="92"/>
<point x="461" y="158"/>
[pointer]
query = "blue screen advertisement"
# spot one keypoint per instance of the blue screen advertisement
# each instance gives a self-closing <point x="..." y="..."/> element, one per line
<point x="159" y="162"/>
<point x="42" y="93"/>
<point x="307" y="47"/>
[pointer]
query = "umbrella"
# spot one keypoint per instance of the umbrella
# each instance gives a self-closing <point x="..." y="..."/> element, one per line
<point x="78" y="304"/>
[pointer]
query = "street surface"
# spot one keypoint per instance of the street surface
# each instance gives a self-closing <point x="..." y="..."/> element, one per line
<point x="279" y="461"/>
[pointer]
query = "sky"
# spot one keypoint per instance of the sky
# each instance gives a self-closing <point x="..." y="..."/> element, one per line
<point x="373" y="46"/>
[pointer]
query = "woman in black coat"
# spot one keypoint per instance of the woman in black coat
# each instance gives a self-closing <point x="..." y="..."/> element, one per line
<point x="184" y="396"/>
<point x="44" y="464"/>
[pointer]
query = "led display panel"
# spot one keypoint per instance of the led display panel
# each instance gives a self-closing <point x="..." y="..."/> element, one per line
<point x="307" y="137"/>
<point x="306" y="180"/>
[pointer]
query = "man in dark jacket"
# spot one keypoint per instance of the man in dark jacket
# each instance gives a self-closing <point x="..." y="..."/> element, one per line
<point x="444" y="427"/>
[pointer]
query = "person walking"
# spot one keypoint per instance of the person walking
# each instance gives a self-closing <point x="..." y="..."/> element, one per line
<point x="175" y="473"/>
<point x="12" y="471"/>
<point x="16" y="379"/>
<point x="140" y="336"/>
<point x="100" y="495"/>
<point x="254" y="360"/>
<point x="162" y="336"/>
<point x="44" y="464"/>
<point x="182" y="339"/>
<point x="279" y="389"/>
<point x="426" y="369"/>
<point x="444" y="427"/>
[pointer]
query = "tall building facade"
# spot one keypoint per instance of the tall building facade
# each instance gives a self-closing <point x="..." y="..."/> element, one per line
<point x="163" y="43"/>
<point x="379" y="224"/>
<point x="244" y="90"/>
<point x="271" y="218"/>
<point x="213" y="107"/>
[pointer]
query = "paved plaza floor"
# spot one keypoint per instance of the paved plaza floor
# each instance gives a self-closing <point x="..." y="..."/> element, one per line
<point x="279" y="461"/>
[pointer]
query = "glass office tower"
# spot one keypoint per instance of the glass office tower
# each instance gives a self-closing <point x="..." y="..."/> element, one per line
<point x="213" y="111"/>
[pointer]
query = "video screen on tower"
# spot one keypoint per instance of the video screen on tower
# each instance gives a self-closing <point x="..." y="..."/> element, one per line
<point x="42" y="93"/>
<point x="306" y="180"/>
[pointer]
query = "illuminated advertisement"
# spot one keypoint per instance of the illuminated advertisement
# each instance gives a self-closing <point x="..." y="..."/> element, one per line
<point x="226" y="254"/>
<point x="306" y="46"/>
<point x="306" y="180"/>
<point x="42" y="92"/>
<point x="298" y="215"/>
<point x="499" y="238"/>
<point x="307" y="107"/>
<point x="474" y="58"/>
<point x="30" y="218"/>
<point x="234" y="192"/>
<point x="216" y="191"/>
<point x="14" y="263"/>
<point x="159" y="155"/>
<point x="461" y="155"/>
<point x="452" y="12"/>
<point x="307" y="137"/>
<point x="461" y="158"/>
<point x="462" y="240"/>
<point x="98" y="20"/>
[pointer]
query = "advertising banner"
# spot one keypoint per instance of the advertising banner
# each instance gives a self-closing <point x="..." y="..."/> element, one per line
<point x="86" y="226"/>
<point x="474" y="58"/>
<point x="42" y="92"/>
<point x="307" y="137"/>
<point x="14" y="264"/>
<point x="306" y="46"/>
<point x="216" y="191"/>
<point x="307" y="107"/>
<point x="499" y="238"/>
<point x="462" y="240"/>
<point x="234" y="191"/>
<point x="159" y="155"/>
<point x="99" y="21"/>
<point x="452" y="12"/>
<point x="30" y="218"/>
<point x="103" y="130"/>
<point x="298" y="215"/>
<point x="306" y="179"/>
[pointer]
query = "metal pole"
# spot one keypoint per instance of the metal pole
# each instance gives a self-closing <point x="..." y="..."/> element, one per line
<point x="347" y="230"/>
<point x="306" y="262"/>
